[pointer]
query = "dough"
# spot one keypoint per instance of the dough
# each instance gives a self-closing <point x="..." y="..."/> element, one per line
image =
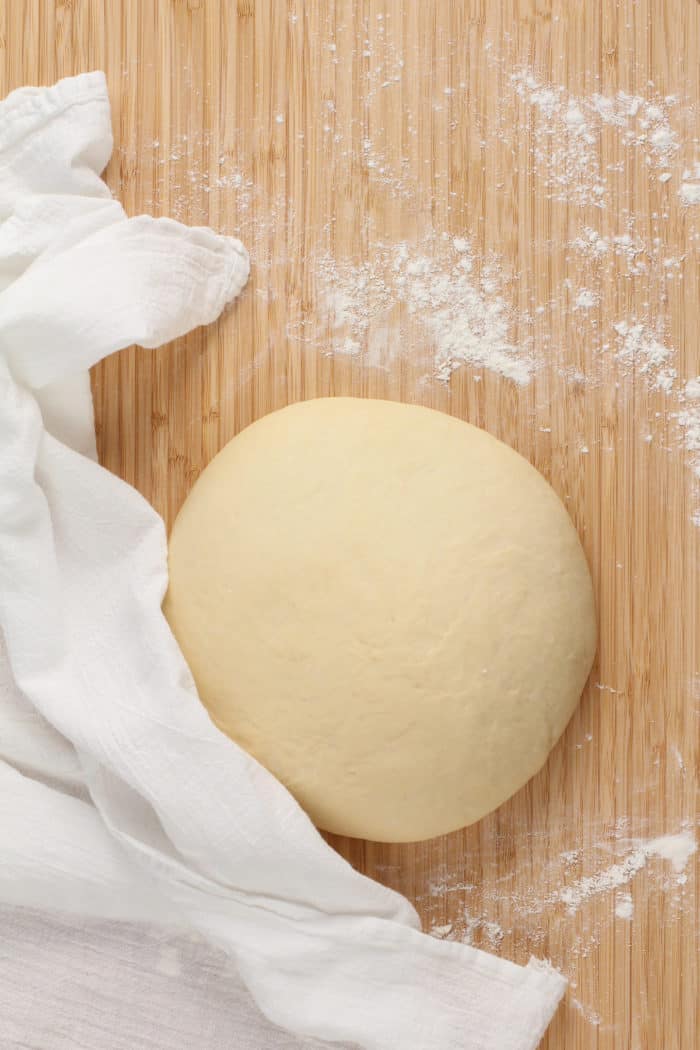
<point x="388" y="607"/>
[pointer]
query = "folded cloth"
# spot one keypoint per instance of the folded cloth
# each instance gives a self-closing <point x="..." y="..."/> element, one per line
<point x="119" y="799"/>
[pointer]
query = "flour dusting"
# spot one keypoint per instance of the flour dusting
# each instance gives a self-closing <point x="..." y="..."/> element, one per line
<point x="689" y="191"/>
<point x="641" y="348"/>
<point x="488" y="920"/>
<point x="689" y="422"/>
<point x="460" y="316"/>
<point x="491" y="932"/>
<point x="677" y="849"/>
<point x="442" y="932"/>
<point x="624" y="908"/>
<point x="439" y="304"/>
<point x="568" y="128"/>
<point x="589" y="1015"/>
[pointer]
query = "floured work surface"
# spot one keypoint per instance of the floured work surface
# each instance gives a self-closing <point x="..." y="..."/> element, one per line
<point x="493" y="209"/>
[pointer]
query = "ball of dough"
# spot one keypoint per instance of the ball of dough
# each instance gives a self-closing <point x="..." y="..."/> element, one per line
<point x="389" y="608"/>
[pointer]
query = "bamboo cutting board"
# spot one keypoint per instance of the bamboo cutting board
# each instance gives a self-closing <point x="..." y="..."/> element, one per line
<point x="329" y="134"/>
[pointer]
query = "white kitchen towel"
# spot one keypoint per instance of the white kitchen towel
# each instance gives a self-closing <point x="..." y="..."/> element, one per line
<point x="71" y="983"/>
<point x="118" y="797"/>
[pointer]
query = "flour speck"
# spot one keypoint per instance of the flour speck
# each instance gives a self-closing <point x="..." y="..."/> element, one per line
<point x="624" y="908"/>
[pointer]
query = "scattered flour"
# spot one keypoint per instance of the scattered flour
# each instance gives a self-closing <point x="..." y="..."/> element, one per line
<point x="586" y="299"/>
<point x="591" y="244"/>
<point x="491" y="932"/>
<point x="589" y="1015"/>
<point x="606" y="688"/>
<point x="680" y="762"/>
<point x="678" y="849"/>
<point x="689" y="191"/>
<point x="640" y="348"/>
<point x="564" y="152"/>
<point x="567" y="132"/>
<point x="613" y="880"/>
<point x="444" y="886"/>
<point x="468" y="928"/>
<point x="442" y="932"/>
<point x="461" y="313"/>
<point x="688" y="419"/>
<point x="461" y="316"/>
<point x="628" y="255"/>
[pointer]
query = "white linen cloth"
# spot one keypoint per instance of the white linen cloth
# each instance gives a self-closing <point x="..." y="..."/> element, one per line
<point x="118" y="797"/>
<point x="70" y="983"/>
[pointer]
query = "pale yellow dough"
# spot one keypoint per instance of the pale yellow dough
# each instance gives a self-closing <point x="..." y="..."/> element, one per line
<point x="386" y="606"/>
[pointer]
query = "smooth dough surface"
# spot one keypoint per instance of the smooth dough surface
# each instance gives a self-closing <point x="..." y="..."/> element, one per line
<point x="387" y="607"/>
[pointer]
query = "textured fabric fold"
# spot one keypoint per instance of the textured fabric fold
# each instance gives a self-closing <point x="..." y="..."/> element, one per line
<point x="138" y="806"/>
<point x="143" y="281"/>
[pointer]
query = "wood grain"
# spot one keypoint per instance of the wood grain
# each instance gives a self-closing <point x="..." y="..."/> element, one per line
<point x="222" y="116"/>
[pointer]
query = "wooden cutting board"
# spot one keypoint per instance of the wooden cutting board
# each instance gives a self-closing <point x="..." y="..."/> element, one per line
<point x="328" y="134"/>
